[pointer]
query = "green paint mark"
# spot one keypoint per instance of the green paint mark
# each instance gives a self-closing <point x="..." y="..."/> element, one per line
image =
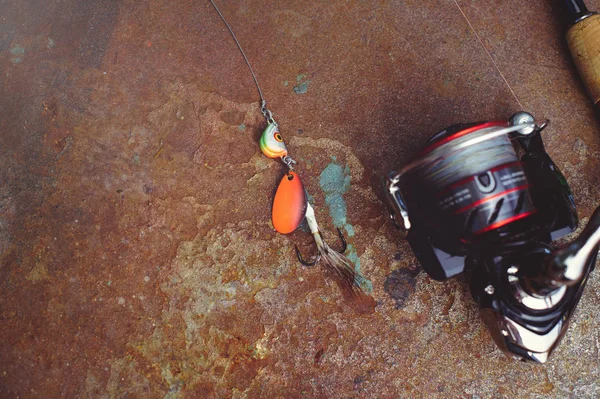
<point x="365" y="284"/>
<point x="301" y="88"/>
<point x="286" y="83"/>
<point x="301" y="84"/>
<point x="51" y="42"/>
<point x="353" y="255"/>
<point x="17" y="50"/>
<point x="335" y="182"/>
<point x="349" y="229"/>
<point x="242" y="127"/>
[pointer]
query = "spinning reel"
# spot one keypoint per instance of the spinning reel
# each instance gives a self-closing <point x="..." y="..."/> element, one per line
<point x="473" y="201"/>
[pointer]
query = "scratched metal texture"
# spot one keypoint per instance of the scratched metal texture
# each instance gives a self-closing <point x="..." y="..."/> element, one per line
<point x="137" y="258"/>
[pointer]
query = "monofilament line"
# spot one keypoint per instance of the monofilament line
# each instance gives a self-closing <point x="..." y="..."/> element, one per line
<point x="262" y="99"/>
<point x="488" y="53"/>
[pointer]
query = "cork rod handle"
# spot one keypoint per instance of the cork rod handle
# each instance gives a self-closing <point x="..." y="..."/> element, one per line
<point x="583" y="39"/>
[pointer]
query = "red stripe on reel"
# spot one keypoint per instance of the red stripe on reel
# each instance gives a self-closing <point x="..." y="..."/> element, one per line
<point x="491" y="197"/>
<point x="504" y="222"/>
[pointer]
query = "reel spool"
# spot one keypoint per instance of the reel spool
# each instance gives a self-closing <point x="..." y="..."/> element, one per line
<point x="486" y="198"/>
<point x="468" y="191"/>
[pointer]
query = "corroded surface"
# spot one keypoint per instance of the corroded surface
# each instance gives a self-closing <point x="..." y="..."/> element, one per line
<point x="137" y="255"/>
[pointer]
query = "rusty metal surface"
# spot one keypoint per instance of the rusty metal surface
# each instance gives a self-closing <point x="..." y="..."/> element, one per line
<point x="137" y="256"/>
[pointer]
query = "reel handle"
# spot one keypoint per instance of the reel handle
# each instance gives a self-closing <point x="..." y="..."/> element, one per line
<point x="568" y="265"/>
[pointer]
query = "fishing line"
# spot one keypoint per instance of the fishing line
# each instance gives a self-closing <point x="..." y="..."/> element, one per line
<point x="263" y="107"/>
<point x="483" y="149"/>
<point x="488" y="54"/>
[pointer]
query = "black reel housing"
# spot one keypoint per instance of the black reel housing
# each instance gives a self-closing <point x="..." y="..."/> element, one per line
<point x="498" y="224"/>
<point x="522" y="201"/>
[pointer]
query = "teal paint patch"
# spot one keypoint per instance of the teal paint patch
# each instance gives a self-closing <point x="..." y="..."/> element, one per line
<point x="353" y="255"/>
<point x="300" y="77"/>
<point x="242" y="127"/>
<point x="17" y="50"/>
<point x="365" y="284"/>
<point x="350" y="229"/>
<point x="51" y="42"/>
<point x="335" y="182"/>
<point x="286" y="83"/>
<point x="301" y="88"/>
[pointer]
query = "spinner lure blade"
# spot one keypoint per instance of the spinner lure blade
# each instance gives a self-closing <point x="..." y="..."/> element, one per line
<point x="289" y="205"/>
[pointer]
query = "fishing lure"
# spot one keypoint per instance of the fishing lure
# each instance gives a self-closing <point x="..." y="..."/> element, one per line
<point x="290" y="205"/>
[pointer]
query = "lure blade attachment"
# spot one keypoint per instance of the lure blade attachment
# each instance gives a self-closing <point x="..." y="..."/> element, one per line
<point x="289" y="205"/>
<point x="271" y="142"/>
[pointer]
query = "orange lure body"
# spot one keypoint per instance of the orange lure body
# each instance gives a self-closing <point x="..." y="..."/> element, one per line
<point x="289" y="205"/>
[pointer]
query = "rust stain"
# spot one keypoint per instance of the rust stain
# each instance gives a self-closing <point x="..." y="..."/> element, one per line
<point x="136" y="252"/>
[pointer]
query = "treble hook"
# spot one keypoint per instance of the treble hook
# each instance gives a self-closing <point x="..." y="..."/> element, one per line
<point x="318" y="256"/>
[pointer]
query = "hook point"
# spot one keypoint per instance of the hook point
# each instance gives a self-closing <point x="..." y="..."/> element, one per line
<point x="305" y="263"/>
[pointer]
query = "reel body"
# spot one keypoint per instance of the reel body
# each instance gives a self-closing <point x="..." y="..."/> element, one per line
<point x="474" y="201"/>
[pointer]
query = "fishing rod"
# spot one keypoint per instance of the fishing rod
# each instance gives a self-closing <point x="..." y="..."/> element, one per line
<point x="583" y="38"/>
